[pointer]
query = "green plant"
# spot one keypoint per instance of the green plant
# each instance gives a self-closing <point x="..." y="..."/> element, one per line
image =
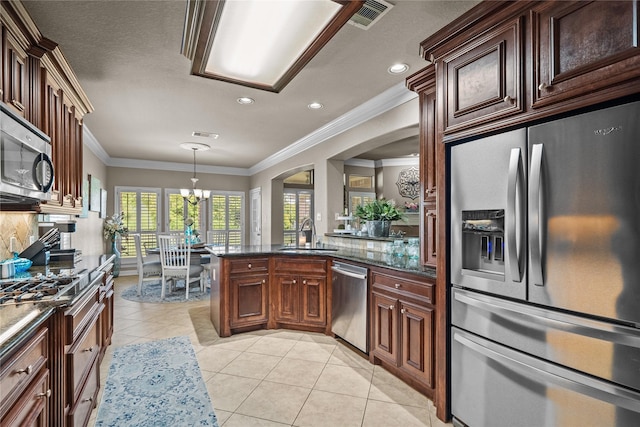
<point x="379" y="210"/>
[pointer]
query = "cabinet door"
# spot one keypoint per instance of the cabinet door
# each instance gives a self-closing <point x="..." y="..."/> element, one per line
<point x="52" y="119"/>
<point x="32" y="408"/>
<point x="483" y="79"/>
<point x="288" y="299"/>
<point x="314" y="300"/>
<point x="385" y="327"/>
<point x="15" y="72"/>
<point x="428" y="145"/>
<point x="417" y="342"/>
<point x="430" y="229"/>
<point x="248" y="300"/>
<point x="583" y="47"/>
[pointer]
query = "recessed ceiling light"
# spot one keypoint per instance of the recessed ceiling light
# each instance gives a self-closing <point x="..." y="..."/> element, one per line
<point x="315" y="106"/>
<point x="244" y="100"/>
<point x="398" y="68"/>
<point x="205" y="134"/>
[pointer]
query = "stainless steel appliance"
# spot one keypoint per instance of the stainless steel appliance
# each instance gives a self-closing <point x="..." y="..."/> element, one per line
<point x="545" y="274"/>
<point x="39" y="287"/>
<point x="349" y="304"/>
<point x="26" y="171"/>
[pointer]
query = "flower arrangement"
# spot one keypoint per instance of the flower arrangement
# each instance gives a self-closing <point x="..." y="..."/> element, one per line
<point x="114" y="225"/>
<point x="379" y="210"/>
<point x="410" y="206"/>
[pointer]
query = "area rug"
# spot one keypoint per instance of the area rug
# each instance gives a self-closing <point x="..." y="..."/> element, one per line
<point x="155" y="384"/>
<point x="151" y="293"/>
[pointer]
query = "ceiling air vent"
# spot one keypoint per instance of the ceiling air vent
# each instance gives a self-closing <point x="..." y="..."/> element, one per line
<point x="370" y="12"/>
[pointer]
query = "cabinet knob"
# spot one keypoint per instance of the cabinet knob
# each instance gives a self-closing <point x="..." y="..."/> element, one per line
<point x="294" y="281"/>
<point x="249" y="266"/>
<point x="402" y="310"/>
<point x="264" y="281"/>
<point x="26" y="370"/>
<point x="390" y="307"/>
<point x="508" y="99"/>
<point x="397" y="285"/>
<point x="88" y="350"/>
<point x="88" y="399"/>
<point x="430" y="214"/>
<point x="304" y="282"/>
<point x="46" y="394"/>
<point x="543" y="86"/>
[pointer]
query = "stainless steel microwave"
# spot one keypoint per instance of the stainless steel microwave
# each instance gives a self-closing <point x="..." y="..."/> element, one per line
<point x="26" y="170"/>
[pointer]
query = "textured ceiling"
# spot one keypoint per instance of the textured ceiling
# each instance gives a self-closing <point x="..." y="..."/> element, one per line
<point x="126" y="55"/>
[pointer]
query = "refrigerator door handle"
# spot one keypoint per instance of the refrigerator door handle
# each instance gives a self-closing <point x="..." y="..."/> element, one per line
<point x="535" y="212"/>
<point x="513" y="217"/>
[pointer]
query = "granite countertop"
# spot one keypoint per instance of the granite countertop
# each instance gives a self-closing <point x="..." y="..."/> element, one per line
<point x="373" y="258"/>
<point x="19" y="320"/>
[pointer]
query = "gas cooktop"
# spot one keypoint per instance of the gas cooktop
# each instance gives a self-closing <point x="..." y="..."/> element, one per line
<point x="35" y="288"/>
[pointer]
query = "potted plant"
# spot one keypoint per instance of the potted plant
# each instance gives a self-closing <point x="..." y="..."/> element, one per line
<point x="378" y="214"/>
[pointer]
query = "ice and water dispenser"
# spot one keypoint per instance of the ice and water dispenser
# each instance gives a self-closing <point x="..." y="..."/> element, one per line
<point x="483" y="241"/>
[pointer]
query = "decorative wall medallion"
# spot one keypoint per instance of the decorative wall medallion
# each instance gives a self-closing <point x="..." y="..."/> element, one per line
<point x="409" y="183"/>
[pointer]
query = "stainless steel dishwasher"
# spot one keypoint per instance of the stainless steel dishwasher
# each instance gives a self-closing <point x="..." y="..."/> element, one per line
<point x="349" y="304"/>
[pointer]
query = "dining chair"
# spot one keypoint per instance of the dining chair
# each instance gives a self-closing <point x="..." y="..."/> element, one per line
<point x="175" y="257"/>
<point x="148" y="271"/>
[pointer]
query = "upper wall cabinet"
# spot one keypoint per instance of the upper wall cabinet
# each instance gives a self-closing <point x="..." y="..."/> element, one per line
<point x="583" y="47"/>
<point x="39" y="84"/>
<point x="482" y="79"/>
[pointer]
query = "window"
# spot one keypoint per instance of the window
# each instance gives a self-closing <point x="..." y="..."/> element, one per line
<point x="227" y="220"/>
<point x="298" y="205"/>
<point x="359" y="198"/>
<point x="179" y="210"/>
<point x="141" y="215"/>
<point x="360" y="181"/>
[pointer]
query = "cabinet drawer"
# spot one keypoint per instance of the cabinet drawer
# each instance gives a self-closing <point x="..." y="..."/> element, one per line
<point x="419" y="288"/>
<point x="300" y="265"/>
<point x="249" y="265"/>
<point x="32" y="407"/>
<point x="80" y="315"/>
<point x="18" y="372"/>
<point x="81" y="410"/>
<point x="80" y="358"/>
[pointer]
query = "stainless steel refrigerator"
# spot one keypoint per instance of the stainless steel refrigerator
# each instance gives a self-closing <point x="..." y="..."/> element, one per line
<point x="545" y="273"/>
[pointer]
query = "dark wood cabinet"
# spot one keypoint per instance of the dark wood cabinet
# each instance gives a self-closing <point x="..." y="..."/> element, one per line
<point x="15" y="74"/>
<point x="402" y="331"/>
<point x="580" y="48"/>
<point x="106" y="298"/>
<point x="299" y="295"/>
<point x="482" y="79"/>
<point x="248" y="290"/>
<point x="24" y="382"/>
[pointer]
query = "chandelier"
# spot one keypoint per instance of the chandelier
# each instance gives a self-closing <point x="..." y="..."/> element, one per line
<point x="194" y="195"/>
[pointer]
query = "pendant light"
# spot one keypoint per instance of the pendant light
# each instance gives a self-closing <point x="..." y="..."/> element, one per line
<point x="194" y="195"/>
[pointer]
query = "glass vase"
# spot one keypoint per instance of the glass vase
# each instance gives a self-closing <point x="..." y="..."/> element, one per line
<point x="116" y="261"/>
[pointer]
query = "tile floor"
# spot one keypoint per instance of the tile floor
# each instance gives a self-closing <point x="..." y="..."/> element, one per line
<point x="274" y="377"/>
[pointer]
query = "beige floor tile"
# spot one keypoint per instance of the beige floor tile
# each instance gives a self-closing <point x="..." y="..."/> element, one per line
<point x="239" y="342"/>
<point x="271" y="345"/>
<point x="238" y="420"/>
<point x="435" y="421"/>
<point x="317" y="338"/>
<point x="389" y="388"/>
<point x="222" y="416"/>
<point x="344" y="356"/>
<point x="215" y="359"/>
<point x="296" y="372"/>
<point x="251" y="365"/>
<point x="311" y="351"/>
<point x="382" y="414"/>
<point x="345" y="380"/>
<point x="227" y="392"/>
<point x="324" y="409"/>
<point x="260" y="402"/>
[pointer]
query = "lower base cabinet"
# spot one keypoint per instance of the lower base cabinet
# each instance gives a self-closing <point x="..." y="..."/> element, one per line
<point x="402" y="327"/>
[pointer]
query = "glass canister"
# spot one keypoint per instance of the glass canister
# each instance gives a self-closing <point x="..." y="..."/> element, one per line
<point x="398" y="248"/>
<point x="413" y="248"/>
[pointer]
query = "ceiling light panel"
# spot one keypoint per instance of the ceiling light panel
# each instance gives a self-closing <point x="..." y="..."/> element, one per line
<point x="261" y="44"/>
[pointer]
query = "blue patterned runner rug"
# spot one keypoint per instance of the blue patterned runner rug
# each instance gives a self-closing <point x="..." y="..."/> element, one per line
<point x="155" y="384"/>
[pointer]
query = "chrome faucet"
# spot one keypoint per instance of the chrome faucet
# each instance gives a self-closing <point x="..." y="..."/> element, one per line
<point x="308" y="221"/>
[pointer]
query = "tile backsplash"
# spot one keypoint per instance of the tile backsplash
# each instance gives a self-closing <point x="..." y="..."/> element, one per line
<point x="21" y="225"/>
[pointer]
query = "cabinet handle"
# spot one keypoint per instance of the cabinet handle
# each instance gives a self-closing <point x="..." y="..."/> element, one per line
<point x="90" y="349"/>
<point x="249" y="266"/>
<point x="402" y="310"/>
<point x="390" y="307"/>
<point x="397" y="285"/>
<point x="431" y="214"/>
<point x="508" y="99"/>
<point x="294" y="282"/>
<point x="88" y="399"/>
<point x="26" y="370"/>
<point x="46" y="394"/>
<point x="304" y="282"/>
<point x="543" y="86"/>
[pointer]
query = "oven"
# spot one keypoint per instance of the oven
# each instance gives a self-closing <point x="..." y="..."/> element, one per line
<point x="26" y="170"/>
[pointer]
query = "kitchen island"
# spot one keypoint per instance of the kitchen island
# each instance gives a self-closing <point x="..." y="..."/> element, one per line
<point x="273" y="287"/>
